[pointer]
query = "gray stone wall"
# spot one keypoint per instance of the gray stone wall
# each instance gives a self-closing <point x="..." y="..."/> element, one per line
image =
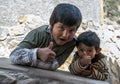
<point x="14" y="74"/>
<point x="11" y="10"/>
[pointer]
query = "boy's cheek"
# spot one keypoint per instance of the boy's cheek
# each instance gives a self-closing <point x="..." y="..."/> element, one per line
<point x="71" y="37"/>
<point x="81" y="55"/>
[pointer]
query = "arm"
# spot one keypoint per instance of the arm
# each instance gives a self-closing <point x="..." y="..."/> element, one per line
<point x="26" y="56"/>
<point x="29" y="51"/>
<point x="97" y="70"/>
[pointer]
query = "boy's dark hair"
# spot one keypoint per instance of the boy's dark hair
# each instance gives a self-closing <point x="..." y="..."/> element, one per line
<point x="67" y="14"/>
<point x="89" y="38"/>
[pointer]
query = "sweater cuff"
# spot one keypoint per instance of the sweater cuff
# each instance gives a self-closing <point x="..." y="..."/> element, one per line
<point x="34" y="57"/>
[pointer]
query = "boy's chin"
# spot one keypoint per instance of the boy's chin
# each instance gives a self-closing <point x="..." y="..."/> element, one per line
<point x="61" y="43"/>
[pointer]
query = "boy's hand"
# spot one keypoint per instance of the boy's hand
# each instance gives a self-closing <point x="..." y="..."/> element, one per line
<point x="53" y="57"/>
<point x="50" y="45"/>
<point x="85" y="60"/>
<point x="46" y="54"/>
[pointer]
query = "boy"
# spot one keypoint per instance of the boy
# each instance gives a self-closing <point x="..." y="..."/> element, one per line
<point x="88" y="61"/>
<point x="48" y="46"/>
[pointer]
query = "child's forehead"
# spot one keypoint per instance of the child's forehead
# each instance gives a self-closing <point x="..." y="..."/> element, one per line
<point x="66" y="26"/>
<point x="82" y="45"/>
<point x="70" y="27"/>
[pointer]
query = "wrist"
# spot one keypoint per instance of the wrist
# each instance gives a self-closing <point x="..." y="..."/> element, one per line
<point x="38" y="53"/>
<point x="83" y="66"/>
<point x="34" y="56"/>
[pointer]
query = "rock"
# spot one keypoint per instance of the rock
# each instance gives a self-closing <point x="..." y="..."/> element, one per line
<point x="16" y="74"/>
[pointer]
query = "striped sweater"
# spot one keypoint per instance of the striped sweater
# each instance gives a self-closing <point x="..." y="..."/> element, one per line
<point x="96" y="70"/>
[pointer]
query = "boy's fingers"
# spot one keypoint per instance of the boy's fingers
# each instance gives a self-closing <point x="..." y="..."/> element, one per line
<point x="51" y="57"/>
<point x="50" y="45"/>
<point x="52" y="54"/>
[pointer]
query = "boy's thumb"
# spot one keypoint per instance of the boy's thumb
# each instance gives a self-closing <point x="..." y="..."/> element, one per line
<point x="50" y="45"/>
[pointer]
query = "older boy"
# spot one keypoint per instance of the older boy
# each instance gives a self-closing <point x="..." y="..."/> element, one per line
<point x="48" y="46"/>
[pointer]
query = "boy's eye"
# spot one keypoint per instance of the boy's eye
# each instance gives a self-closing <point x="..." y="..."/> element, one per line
<point x="81" y="50"/>
<point x="89" y="50"/>
<point x="72" y="30"/>
<point x="61" y="28"/>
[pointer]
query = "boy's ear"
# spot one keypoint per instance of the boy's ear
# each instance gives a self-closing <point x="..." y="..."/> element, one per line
<point x="98" y="51"/>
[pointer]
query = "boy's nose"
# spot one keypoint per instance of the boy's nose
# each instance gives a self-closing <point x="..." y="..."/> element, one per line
<point x="65" y="34"/>
<point x="85" y="53"/>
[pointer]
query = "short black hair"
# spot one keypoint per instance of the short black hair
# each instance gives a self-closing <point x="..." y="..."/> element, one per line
<point x="89" y="38"/>
<point x="67" y="14"/>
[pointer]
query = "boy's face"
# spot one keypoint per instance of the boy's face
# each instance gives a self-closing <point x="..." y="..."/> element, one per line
<point x="62" y="33"/>
<point x="84" y="50"/>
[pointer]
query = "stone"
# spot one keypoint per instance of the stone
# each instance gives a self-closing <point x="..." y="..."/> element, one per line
<point x="16" y="74"/>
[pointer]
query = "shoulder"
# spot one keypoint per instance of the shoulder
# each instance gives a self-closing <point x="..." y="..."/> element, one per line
<point x="98" y="57"/>
<point x="38" y="33"/>
<point x="42" y="28"/>
<point x="100" y="63"/>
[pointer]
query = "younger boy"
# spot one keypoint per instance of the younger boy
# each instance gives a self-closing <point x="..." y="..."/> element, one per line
<point x="88" y="61"/>
<point x="48" y="46"/>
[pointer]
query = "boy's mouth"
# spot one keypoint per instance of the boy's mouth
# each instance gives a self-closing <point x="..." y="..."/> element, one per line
<point x="63" y="39"/>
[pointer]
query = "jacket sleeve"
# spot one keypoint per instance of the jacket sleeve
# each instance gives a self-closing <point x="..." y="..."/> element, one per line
<point x="97" y="70"/>
<point x="24" y="56"/>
